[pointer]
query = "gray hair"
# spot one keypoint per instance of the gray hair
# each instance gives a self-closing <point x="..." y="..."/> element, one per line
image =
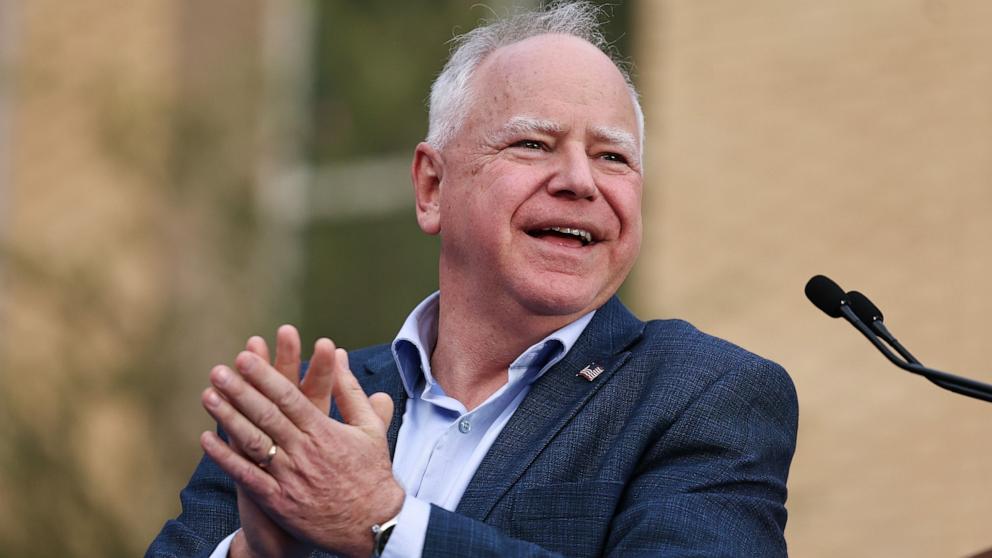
<point x="451" y="95"/>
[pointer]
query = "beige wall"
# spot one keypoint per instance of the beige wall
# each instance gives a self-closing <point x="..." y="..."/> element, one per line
<point x="129" y="244"/>
<point x="851" y="138"/>
<point x="84" y="276"/>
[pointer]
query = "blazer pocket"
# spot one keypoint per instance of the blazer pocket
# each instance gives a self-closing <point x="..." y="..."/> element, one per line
<point x="570" y="500"/>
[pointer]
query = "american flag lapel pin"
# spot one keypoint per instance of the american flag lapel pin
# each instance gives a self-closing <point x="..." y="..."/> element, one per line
<point x="591" y="371"/>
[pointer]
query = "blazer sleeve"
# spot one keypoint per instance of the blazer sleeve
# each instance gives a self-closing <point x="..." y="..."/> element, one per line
<point x="209" y="514"/>
<point x="711" y="484"/>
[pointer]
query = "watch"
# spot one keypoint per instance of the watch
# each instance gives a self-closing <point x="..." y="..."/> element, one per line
<point x="381" y="534"/>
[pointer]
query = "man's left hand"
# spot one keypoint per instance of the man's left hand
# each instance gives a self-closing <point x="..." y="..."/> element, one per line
<point x="328" y="481"/>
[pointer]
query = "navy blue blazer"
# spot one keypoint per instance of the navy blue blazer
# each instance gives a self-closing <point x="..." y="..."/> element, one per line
<point x="680" y="447"/>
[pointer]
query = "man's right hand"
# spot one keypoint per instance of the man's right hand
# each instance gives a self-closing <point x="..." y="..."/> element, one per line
<point x="260" y="537"/>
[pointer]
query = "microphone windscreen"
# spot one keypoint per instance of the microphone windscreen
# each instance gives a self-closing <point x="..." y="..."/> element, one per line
<point x="825" y="295"/>
<point x="863" y="308"/>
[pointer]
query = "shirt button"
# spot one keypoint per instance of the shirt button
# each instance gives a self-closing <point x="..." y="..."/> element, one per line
<point x="464" y="426"/>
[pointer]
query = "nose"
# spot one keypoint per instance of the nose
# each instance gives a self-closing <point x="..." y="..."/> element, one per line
<point x="573" y="178"/>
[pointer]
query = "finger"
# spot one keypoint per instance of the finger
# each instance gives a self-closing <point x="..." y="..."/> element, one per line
<point x="257" y="345"/>
<point x="288" y="353"/>
<point x="382" y="404"/>
<point x="350" y="397"/>
<point x="278" y="395"/>
<point x="256" y="407"/>
<point x="317" y="383"/>
<point x="246" y="438"/>
<point x="258" y="482"/>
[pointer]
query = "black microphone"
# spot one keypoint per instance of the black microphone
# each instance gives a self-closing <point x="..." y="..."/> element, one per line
<point x="827" y="295"/>
<point x="860" y="312"/>
<point x="868" y="313"/>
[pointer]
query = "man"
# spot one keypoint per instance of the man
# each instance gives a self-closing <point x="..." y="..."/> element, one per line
<point x="522" y="411"/>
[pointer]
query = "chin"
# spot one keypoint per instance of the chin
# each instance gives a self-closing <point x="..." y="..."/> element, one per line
<point x="554" y="299"/>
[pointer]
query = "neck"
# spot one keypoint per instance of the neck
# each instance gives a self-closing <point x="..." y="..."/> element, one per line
<point x="477" y="340"/>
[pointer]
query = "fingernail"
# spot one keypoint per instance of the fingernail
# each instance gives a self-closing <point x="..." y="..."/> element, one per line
<point x="245" y="362"/>
<point x="222" y="376"/>
<point x="213" y="399"/>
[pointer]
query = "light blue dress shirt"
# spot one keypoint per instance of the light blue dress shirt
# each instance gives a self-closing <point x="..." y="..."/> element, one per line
<point x="441" y="443"/>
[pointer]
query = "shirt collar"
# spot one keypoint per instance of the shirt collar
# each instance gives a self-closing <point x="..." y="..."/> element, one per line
<point x="415" y="342"/>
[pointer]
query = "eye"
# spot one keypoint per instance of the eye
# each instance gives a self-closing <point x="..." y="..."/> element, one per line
<point x="614" y="157"/>
<point x="529" y="144"/>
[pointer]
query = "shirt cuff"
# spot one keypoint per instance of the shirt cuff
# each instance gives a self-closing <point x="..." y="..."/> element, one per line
<point x="407" y="539"/>
<point x="225" y="546"/>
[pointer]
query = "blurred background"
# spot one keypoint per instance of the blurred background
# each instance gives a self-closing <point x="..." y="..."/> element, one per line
<point x="177" y="175"/>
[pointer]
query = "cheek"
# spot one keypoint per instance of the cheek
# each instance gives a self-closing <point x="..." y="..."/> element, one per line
<point x="625" y="199"/>
<point x="634" y="222"/>
<point x="489" y="201"/>
<point x="469" y="213"/>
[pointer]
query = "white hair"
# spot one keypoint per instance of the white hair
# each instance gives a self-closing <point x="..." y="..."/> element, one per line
<point x="451" y="95"/>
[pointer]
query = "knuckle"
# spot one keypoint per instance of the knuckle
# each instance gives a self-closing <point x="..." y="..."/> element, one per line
<point x="268" y="415"/>
<point x="246" y="475"/>
<point x="288" y="397"/>
<point x="267" y="492"/>
<point x="256" y="444"/>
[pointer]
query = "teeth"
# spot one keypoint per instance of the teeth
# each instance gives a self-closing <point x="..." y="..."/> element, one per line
<point x="586" y="236"/>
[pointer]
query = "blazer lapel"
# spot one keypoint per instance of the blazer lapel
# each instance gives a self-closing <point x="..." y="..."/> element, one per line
<point x="552" y="402"/>
<point x="382" y="375"/>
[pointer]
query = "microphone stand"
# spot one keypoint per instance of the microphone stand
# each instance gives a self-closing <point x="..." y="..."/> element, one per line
<point x="950" y="382"/>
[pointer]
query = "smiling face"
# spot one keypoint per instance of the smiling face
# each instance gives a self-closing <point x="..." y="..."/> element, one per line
<point x="537" y="197"/>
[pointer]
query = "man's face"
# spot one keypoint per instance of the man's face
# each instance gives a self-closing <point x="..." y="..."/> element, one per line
<point x="539" y="201"/>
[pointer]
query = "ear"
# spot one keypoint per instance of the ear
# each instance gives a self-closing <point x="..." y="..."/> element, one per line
<point x="427" y="171"/>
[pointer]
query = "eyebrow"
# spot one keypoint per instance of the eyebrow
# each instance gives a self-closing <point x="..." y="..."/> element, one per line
<point x="616" y="136"/>
<point x="518" y="125"/>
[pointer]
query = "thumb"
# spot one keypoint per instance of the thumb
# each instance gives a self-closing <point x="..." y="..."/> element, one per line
<point x="320" y="375"/>
<point x="382" y="404"/>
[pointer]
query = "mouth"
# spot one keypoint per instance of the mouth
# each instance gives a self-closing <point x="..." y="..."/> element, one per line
<point x="571" y="236"/>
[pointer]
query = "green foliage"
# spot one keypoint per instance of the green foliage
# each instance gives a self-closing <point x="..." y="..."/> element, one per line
<point x="364" y="277"/>
<point x="376" y="59"/>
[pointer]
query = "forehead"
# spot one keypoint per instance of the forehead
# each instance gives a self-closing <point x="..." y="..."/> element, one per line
<point x="549" y="73"/>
